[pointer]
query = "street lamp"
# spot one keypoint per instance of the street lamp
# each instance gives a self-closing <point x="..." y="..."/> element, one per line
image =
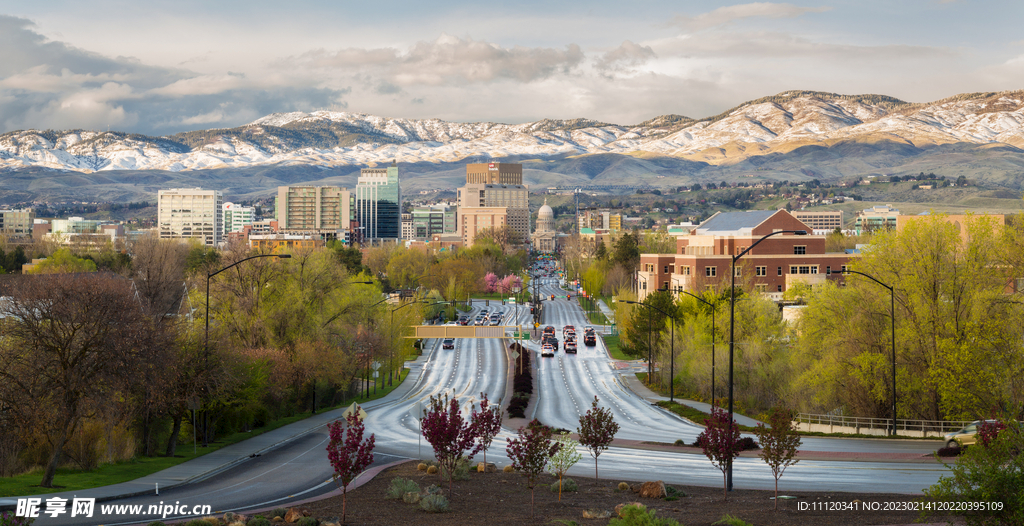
<point x="391" y="357"/>
<point x="732" y="327"/>
<point x="892" y="317"/>
<point x="714" y="309"/>
<point x="206" y="344"/>
<point x="672" y="367"/>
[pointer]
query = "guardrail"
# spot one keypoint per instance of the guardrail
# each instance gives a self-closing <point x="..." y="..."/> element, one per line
<point x="875" y="426"/>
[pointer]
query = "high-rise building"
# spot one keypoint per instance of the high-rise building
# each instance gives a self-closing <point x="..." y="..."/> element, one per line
<point x="236" y="217"/>
<point x="17" y="223"/>
<point x="494" y="197"/>
<point x="379" y="203"/>
<point x="433" y="219"/>
<point x="327" y="211"/>
<point x="191" y="213"/>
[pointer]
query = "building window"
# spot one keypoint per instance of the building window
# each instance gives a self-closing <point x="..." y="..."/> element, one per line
<point x="828" y="269"/>
<point x="672" y="269"/>
<point x="761" y="287"/>
<point x="814" y="269"/>
<point x="843" y="268"/>
<point x="664" y="285"/>
<point x="738" y="272"/>
<point x="710" y="271"/>
<point x="800" y="249"/>
<point x="780" y="288"/>
<point x="761" y="271"/>
<point x="643" y="285"/>
<point x="684" y="270"/>
<point x="780" y="271"/>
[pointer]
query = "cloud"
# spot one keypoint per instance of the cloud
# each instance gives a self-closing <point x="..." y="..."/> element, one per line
<point x="447" y="60"/>
<point x="727" y="14"/>
<point x="784" y="47"/>
<point x="625" y="57"/>
<point x="47" y="84"/>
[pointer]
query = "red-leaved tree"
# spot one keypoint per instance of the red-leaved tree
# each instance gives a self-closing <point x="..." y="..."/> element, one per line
<point x="779" y="442"/>
<point x="486" y="424"/>
<point x="597" y="430"/>
<point x="348" y="452"/>
<point x="721" y="441"/>
<point x="449" y="434"/>
<point x="530" y="453"/>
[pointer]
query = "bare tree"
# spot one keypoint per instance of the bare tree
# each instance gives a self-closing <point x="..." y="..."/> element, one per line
<point x="71" y="342"/>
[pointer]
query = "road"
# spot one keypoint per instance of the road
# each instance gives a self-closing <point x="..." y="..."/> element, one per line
<point x="566" y="386"/>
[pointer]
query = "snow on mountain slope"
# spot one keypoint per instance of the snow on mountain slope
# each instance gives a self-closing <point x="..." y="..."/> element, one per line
<point x="344" y="138"/>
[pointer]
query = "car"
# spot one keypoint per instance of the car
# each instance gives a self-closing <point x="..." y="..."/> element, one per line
<point x="549" y="331"/>
<point x="570" y="346"/>
<point x="588" y="329"/>
<point x="551" y="340"/>
<point x="463" y="320"/>
<point x="590" y="339"/>
<point x="547" y="350"/>
<point x="448" y="343"/>
<point x="967" y="436"/>
<point x="568" y="328"/>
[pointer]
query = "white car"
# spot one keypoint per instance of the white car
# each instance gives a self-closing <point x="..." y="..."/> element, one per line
<point x="547" y="350"/>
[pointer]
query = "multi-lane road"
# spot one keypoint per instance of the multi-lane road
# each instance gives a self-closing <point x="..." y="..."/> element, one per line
<point x="565" y="387"/>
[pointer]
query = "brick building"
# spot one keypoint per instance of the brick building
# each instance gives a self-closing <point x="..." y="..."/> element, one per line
<point x="703" y="258"/>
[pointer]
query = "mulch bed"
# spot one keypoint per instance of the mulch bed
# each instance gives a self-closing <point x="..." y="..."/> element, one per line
<point x="500" y="499"/>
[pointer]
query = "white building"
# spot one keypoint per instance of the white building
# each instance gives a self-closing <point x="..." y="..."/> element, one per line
<point x="184" y="213"/>
<point x="236" y="217"/>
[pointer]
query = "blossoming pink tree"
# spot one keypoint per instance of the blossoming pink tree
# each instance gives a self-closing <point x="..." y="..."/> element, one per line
<point x="486" y="424"/>
<point x="348" y="453"/>
<point x="449" y="434"/>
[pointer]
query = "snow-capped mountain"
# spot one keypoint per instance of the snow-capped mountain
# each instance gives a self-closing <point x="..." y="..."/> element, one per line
<point x="772" y="124"/>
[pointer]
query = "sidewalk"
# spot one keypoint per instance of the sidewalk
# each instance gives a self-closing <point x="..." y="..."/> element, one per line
<point x="224" y="458"/>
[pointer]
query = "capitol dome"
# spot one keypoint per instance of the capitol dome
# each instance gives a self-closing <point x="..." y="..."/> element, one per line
<point x="545" y="211"/>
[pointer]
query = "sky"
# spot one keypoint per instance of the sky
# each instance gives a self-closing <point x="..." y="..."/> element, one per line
<point x="165" y="67"/>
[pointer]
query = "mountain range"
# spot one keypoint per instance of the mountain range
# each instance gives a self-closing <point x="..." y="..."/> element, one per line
<point x="795" y="135"/>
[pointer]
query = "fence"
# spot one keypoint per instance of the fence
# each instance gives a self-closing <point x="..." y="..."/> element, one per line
<point x="875" y="426"/>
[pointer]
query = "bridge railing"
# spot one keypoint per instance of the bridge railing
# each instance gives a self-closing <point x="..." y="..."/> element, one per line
<point x="875" y="426"/>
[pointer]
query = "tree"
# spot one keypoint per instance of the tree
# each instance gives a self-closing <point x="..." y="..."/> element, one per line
<point x="721" y="442"/>
<point x="597" y="430"/>
<point x="63" y="262"/>
<point x="626" y="251"/>
<point x="451" y="436"/>
<point x="530" y="452"/>
<point x="486" y="424"/>
<point x="564" y="458"/>
<point x="779" y="442"/>
<point x="348" y="453"/>
<point x="406" y="267"/>
<point x="72" y="343"/>
<point x="988" y="472"/>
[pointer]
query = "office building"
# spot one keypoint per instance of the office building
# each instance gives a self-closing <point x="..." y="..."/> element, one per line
<point x="822" y="222"/>
<point x="379" y="203"/>
<point x="15" y="224"/>
<point x="434" y="219"/>
<point x="184" y="213"/>
<point x="494" y="197"/>
<point x="326" y="211"/>
<point x="236" y="217"/>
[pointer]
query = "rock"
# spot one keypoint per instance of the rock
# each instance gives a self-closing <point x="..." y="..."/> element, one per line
<point x="508" y="469"/>
<point x="596" y="514"/>
<point x="489" y="467"/>
<point x="636" y="488"/>
<point x="293" y="515"/>
<point x="618" y="509"/>
<point x="412" y="497"/>
<point x="653" y="490"/>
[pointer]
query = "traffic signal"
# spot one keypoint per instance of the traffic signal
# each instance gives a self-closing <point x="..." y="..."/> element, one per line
<point x="487" y="303"/>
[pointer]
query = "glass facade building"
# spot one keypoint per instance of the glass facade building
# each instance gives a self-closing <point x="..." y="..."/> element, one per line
<point x="379" y="203"/>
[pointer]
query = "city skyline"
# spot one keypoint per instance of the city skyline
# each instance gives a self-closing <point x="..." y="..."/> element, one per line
<point x="165" y="69"/>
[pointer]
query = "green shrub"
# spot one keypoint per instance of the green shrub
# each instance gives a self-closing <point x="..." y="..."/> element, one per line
<point x="729" y="520"/>
<point x="258" y="520"/>
<point x="307" y="521"/>
<point x="433" y="489"/>
<point x="634" y="515"/>
<point x="680" y="442"/>
<point x="568" y="484"/>
<point x="988" y="473"/>
<point x="278" y="512"/>
<point x="461" y="470"/>
<point x="399" y="487"/>
<point x="434" y="504"/>
<point x="623" y="486"/>
<point x="674" y="492"/>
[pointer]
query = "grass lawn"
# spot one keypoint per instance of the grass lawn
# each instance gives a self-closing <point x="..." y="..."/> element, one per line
<point x="611" y="341"/>
<point x="107" y="474"/>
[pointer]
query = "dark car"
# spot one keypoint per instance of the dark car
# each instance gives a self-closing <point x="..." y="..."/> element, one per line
<point x="448" y="343"/>
<point x="549" y="331"/>
<point x="590" y="339"/>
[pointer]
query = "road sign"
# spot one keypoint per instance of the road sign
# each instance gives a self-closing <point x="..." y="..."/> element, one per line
<point x="354" y="409"/>
<point x="515" y="354"/>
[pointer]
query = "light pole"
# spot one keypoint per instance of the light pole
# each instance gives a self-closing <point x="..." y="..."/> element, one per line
<point x="369" y="356"/>
<point x="391" y="358"/>
<point x="732" y="327"/>
<point x="714" y="309"/>
<point x="672" y="367"/>
<point x="206" y="344"/>
<point x="892" y="319"/>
